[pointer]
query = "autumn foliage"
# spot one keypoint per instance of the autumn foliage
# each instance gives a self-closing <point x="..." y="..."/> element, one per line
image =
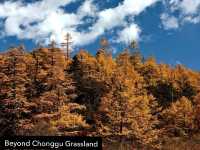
<point x="124" y="98"/>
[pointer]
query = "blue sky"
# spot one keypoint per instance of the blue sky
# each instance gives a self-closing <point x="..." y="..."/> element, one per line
<point x="166" y="29"/>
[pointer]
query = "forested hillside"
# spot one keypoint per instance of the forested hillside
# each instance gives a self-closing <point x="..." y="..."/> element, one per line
<point x="127" y="98"/>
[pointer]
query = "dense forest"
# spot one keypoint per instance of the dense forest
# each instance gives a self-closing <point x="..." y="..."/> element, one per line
<point x="125" y="99"/>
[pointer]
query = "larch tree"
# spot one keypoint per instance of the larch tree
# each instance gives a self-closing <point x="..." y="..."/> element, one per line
<point x="13" y="87"/>
<point x="187" y="82"/>
<point x="92" y="77"/>
<point x="179" y="118"/>
<point x="126" y="110"/>
<point x="70" y="120"/>
<point x="137" y="61"/>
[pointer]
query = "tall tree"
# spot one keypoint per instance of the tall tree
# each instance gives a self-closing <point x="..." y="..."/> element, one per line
<point x="66" y="45"/>
<point x="125" y="110"/>
<point x="13" y="71"/>
<point x="179" y="118"/>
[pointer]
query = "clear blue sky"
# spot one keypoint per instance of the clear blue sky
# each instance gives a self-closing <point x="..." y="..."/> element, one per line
<point x="166" y="29"/>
